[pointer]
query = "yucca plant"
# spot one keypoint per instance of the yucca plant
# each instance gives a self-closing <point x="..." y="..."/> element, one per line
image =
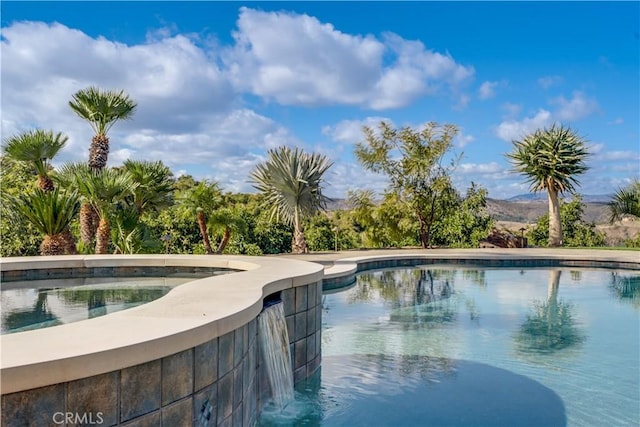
<point x="625" y="202"/>
<point x="551" y="159"/>
<point x="36" y="147"/>
<point x="50" y="212"/>
<point x="102" y="109"/>
<point x="291" y="181"/>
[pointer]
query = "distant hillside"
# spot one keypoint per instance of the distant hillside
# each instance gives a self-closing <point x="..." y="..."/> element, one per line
<point x="530" y="211"/>
<point x="526" y="211"/>
<point x="542" y="196"/>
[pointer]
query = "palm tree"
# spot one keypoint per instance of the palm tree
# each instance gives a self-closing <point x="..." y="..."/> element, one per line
<point x="626" y="202"/>
<point x="226" y="220"/>
<point x="37" y="147"/>
<point x="291" y="183"/>
<point x="202" y="199"/>
<point x="155" y="185"/>
<point x="103" y="190"/>
<point x="102" y="109"/>
<point x="551" y="159"/>
<point x="50" y="212"/>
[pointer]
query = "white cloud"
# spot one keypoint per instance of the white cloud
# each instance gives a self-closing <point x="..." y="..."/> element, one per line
<point x="510" y="130"/>
<point x="550" y="81"/>
<point x="350" y="131"/>
<point x="479" y="168"/>
<point x="575" y="108"/>
<point x="462" y="139"/>
<point x="616" y="121"/>
<point x="487" y="90"/>
<point x="567" y="110"/>
<point x="298" y="60"/>
<point x="511" y="110"/>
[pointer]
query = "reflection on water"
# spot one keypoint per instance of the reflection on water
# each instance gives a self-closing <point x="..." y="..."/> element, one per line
<point x="55" y="302"/>
<point x="551" y="326"/>
<point x="481" y="347"/>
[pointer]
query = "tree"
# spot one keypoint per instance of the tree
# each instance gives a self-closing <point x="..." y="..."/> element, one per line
<point x="155" y="185"/>
<point x="226" y="220"/>
<point x="626" y="202"/>
<point x="551" y="159"/>
<point x="103" y="190"/>
<point x="102" y="109"/>
<point x="291" y="181"/>
<point x="413" y="162"/>
<point x="202" y="199"/>
<point x="38" y="148"/>
<point x="50" y="212"/>
<point x="576" y="232"/>
<point x="19" y="237"/>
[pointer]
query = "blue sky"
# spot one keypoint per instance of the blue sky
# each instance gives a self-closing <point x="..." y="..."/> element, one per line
<point x="219" y="83"/>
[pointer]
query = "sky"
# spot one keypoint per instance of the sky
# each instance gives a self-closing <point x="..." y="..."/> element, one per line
<point x="218" y="84"/>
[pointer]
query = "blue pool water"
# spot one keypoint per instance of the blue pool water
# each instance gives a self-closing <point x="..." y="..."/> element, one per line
<point x="441" y="346"/>
<point x="36" y="304"/>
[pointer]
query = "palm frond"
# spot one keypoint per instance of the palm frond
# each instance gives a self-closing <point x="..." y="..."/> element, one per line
<point x="550" y="158"/>
<point x="102" y="108"/>
<point x="36" y="146"/>
<point x="291" y="181"/>
<point x="50" y="212"/>
<point x="626" y="202"/>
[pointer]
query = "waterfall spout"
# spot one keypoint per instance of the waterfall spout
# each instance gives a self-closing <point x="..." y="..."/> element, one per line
<point x="274" y="343"/>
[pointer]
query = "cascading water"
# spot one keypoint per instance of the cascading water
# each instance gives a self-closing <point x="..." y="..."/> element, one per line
<point x="274" y="343"/>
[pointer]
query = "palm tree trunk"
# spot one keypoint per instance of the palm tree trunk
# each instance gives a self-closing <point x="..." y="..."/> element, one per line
<point x="103" y="236"/>
<point x="555" y="224"/>
<point x="53" y="245"/>
<point x="70" y="242"/>
<point x="299" y="243"/>
<point x="45" y="183"/>
<point x="202" y="224"/>
<point x="99" y="152"/>
<point x="224" y="241"/>
<point x="88" y="224"/>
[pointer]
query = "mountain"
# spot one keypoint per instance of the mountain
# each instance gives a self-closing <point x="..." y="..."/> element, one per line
<point x="542" y="196"/>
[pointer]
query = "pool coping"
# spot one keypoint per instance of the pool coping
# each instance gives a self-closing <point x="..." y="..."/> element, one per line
<point x="190" y="314"/>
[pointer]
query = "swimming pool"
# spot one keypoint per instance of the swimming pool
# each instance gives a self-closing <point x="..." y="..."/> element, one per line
<point x="441" y="345"/>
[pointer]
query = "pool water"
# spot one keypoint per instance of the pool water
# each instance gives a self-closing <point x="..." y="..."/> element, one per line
<point x="441" y="346"/>
<point x="36" y="304"/>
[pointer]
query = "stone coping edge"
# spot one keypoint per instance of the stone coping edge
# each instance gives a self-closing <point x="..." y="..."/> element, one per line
<point x="582" y="258"/>
<point x="190" y="314"/>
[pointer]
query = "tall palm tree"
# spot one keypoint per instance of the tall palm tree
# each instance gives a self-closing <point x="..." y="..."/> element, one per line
<point x="103" y="190"/>
<point x="50" y="212"/>
<point x="37" y="147"/>
<point x="291" y="181"/>
<point x="626" y="202"/>
<point x="102" y="109"/>
<point x="551" y="159"/>
<point x="202" y="199"/>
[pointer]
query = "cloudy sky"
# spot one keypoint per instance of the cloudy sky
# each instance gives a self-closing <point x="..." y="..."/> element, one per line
<point x="219" y="83"/>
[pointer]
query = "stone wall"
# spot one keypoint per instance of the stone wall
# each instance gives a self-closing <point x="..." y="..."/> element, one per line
<point x="217" y="383"/>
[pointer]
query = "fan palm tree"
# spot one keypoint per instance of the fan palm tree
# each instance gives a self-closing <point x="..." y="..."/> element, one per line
<point x="626" y="202"/>
<point x="102" y="109"/>
<point x="551" y="159"/>
<point x="155" y="185"/>
<point x="202" y="199"/>
<point x="50" y="212"/>
<point x="291" y="181"/>
<point x="103" y="190"/>
<point x="37" y="147"/>
<point x="226" y="220"/>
